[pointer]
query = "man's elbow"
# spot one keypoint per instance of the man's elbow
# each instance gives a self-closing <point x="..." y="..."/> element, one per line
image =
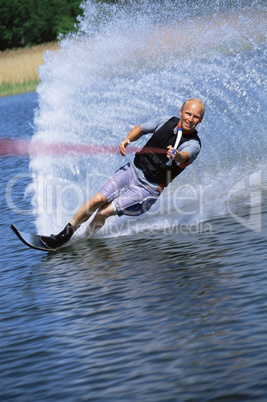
<point x="184" y="157"/>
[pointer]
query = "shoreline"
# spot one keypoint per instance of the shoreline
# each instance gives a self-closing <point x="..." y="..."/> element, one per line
<point x="19" y="68"/>
<point x="9" y="89"/>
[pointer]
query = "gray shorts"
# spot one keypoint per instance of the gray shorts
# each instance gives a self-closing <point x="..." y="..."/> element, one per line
<point x="127" y="193"/>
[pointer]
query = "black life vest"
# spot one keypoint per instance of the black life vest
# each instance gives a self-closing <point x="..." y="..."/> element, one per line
<point x="153" y="156"/>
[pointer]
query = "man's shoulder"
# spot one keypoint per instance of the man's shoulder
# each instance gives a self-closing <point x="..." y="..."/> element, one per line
<point x="154" y="124"/>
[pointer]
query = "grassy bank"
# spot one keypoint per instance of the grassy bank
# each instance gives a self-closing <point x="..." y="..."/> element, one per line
<point x="18" y="68"/>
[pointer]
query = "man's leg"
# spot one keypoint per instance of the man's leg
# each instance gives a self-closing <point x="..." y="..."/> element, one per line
<point x="83" y="214"/>
<point x="100" y="217"/>
<point x="113" y="188"/>
<point x="87" y="209"/>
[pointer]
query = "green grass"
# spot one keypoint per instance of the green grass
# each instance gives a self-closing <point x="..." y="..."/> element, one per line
<point x="18" y="88"/>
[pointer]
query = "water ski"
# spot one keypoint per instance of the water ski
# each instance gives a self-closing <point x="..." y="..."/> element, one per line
<point x="31" y="240"/>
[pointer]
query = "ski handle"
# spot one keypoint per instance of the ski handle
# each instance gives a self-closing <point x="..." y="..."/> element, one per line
<point x="178" y="139"/>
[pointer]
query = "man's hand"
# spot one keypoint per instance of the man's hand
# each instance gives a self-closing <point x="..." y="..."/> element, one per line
<point x="182" y="156"/>
<point x="123" y="146"/>
<point x="169" y="152"/>
<point x="133" y="135"/>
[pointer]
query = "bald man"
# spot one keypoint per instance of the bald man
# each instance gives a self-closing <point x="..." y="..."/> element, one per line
<point x="135" y="187"/>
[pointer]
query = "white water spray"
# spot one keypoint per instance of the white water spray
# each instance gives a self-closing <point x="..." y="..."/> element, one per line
<point x="128" y="64"/>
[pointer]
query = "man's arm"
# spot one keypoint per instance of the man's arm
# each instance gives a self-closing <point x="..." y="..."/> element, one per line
<point x="188" y="152"/>
<point x="148" y="127"/>
<point x="133" y="135"/>
<point x="181" y="157"/>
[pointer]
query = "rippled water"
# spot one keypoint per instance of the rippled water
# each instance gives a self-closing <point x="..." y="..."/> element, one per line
<point x="169" y="307"/>
<point x="161" y="316"/>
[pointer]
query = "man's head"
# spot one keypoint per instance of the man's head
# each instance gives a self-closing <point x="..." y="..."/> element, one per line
<point x="191" y="113"/>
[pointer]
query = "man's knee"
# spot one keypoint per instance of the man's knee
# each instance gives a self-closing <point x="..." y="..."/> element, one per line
<point x="105" y="211"/>
<point x="99" y="200"/>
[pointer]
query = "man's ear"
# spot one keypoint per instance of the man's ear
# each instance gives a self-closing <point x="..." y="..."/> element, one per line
<point x="180" y="114"/>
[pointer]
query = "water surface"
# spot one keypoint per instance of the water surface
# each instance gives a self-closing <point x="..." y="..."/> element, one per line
<point x="171" y="306"/>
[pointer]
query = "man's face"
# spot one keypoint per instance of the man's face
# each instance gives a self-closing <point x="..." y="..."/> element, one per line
<point x="191" y="116"/>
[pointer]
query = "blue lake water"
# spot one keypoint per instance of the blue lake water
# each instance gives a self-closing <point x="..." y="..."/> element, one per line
<point x="170" y="306"/>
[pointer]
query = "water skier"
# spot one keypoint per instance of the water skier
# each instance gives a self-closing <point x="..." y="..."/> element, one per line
<point x="135" y="187"/>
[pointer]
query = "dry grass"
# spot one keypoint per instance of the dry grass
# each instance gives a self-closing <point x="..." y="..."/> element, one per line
<point x="18" y="68"/>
